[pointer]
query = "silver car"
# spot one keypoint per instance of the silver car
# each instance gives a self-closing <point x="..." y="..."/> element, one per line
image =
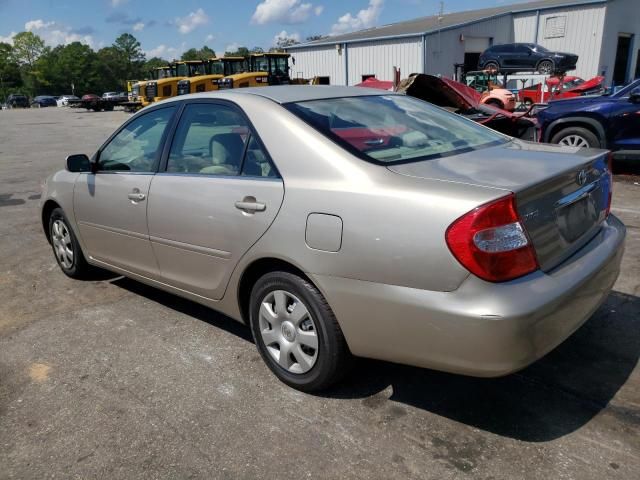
<point x="342" y="222"/>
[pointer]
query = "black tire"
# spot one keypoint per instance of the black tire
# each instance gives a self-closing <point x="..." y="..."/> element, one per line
<point x="494" y="103"/>
<point x="333" y="356"/>
<point x="492" y="66"/>
<point x="546" y="67"/>
<point x="562" y="137"/>
<point x="79" y="267"/>
<point x="528" y="102"/>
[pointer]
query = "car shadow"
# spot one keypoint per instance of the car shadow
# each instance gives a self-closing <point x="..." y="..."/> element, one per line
<point x="186" y="307"/>
<point x="551" y="398"/>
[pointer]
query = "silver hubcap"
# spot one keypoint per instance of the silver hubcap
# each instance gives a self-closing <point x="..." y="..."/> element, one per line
<point x="574" y="141"/>
<point x="545" y="67"/>
<point x="288" y="331"/>
<point x="62" y="243"/>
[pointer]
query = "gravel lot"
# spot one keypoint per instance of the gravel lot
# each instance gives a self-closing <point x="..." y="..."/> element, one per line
<point x="113" y="379"/>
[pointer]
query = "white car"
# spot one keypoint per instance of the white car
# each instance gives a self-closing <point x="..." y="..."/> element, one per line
<point x="63" y="101"/>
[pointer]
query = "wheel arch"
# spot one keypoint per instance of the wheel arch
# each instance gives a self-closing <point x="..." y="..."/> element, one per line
<point x="591" y="124"/>
<point x="48" y="207"/>
<point x="256" y="269"/>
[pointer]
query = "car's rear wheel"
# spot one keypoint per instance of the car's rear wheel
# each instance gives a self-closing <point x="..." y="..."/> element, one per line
<point x="492" y="67"/>
<point x="576" y="137"/>
<point x="527" y="102"/>
<point x="66" y="247"/>
<point x="296" y="332"/>
<point x="545" y="67"/>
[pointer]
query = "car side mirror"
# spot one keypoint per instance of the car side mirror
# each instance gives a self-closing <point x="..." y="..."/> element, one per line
<point x="634" y="97"/>
<point x="78" y="163"/>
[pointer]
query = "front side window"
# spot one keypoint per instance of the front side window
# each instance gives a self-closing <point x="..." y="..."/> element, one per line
<point x="389" y="129"/>
<point x="136" y="147"/>
<point x="260" y="64"/>
<point x="279" y="66"/>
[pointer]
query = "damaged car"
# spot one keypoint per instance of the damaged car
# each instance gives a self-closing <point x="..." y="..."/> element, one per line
<point x="466" y="101"/>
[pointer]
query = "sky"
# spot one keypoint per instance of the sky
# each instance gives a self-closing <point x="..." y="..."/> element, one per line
<point x="166" y="28"/>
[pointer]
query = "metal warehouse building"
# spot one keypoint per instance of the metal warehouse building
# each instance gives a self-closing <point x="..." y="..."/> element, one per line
<point x="604" y="33"/>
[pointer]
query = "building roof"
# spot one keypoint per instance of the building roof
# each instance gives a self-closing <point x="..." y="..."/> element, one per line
<point x="434" y="23"/>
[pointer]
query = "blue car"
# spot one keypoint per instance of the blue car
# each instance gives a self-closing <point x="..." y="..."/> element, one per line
<point x="605" y="121"/>
<point x="43" y="101"/>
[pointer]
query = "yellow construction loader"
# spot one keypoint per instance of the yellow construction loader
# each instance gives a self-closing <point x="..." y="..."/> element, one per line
<point x="264" y="69"/>
<point x="216" y="68"/>
<point x="167" y="87"/>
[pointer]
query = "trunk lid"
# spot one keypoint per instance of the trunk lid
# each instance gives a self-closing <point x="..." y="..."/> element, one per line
<point x="562" y="195"/>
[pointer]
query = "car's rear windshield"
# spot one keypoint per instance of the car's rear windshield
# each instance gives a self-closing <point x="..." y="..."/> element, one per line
<point x="389" y="129"/>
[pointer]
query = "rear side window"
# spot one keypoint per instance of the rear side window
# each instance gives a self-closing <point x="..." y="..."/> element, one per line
<point x="214" y="139"/>
<point x="388" y="129"/>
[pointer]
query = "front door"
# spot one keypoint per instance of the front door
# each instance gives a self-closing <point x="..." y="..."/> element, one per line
<point x="624" y="126"/>
<point x="219" y="194"/>
<point x="111" y="205"/>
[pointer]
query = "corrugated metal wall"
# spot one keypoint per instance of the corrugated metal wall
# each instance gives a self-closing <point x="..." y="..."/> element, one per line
<point x="584" y="29"/>
<point x="446" y="48"/>
<point x="524" y="27"/>
<point x="324" y="61"/>
<point x="623" y="16"/>
<point x="378" y="58"/>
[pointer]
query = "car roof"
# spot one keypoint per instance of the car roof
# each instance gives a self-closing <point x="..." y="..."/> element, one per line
<point x="292" y="93"/>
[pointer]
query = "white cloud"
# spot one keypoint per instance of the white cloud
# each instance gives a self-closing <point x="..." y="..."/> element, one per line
<point x="192" y="21"/>
<point x="54" y="33"/>
<point x="209" y="38"/>
<point x="284" y="11"/>
<point x="117" y="3"/>
<point x="285" y="35"/>
<point x="37" y="25"/>
<point x="232" y="47"/>
<point x="162" y="51"/>
<point x="9" y="38"/>
<point x="365" y="18"/>
<point x="138" y="27"/>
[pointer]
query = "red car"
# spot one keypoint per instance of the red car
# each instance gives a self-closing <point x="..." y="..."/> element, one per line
<point x="561" y="87"/>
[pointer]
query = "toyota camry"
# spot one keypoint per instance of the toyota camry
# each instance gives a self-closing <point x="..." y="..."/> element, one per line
<point x="340" y="222"/>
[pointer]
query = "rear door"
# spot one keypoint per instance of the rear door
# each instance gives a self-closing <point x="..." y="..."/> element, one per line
<point x="110" y="205"/>
<point x="218" y="195"/>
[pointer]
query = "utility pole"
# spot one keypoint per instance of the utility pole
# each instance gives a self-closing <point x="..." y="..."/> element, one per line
<point x="440" y="18"/>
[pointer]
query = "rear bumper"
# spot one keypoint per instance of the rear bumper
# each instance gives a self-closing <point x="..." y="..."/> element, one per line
<point x="480" y="329"/>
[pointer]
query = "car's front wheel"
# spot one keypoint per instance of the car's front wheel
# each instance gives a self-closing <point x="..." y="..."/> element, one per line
<point x="576" y="137"/>
<point x="66" y="247"/>
<point x="296" y="332"/>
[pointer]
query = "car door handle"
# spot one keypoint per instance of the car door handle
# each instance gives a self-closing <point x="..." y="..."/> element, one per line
<point x="136" y="196"/>
<point x="250" y="205"/>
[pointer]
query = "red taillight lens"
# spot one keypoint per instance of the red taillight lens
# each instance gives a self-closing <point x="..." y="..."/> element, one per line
<point x="491" y="242"/>
<point x="610" y="173"/>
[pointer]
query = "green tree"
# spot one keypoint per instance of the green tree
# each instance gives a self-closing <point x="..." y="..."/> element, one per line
<point x="204" y="53"/>
<point x="27" y="48"/>
<point x="9" y="71"/>
<point x="240" y="52"/>
<point x="68" y="68"/>
<point x="313" y="38"/>
<point x="257" y="50"/>
<point x="130" y="51"/>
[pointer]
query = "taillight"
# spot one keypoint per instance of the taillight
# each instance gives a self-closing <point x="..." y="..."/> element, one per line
<point x="491" y="242"/>
<point x="610" y="175"/>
